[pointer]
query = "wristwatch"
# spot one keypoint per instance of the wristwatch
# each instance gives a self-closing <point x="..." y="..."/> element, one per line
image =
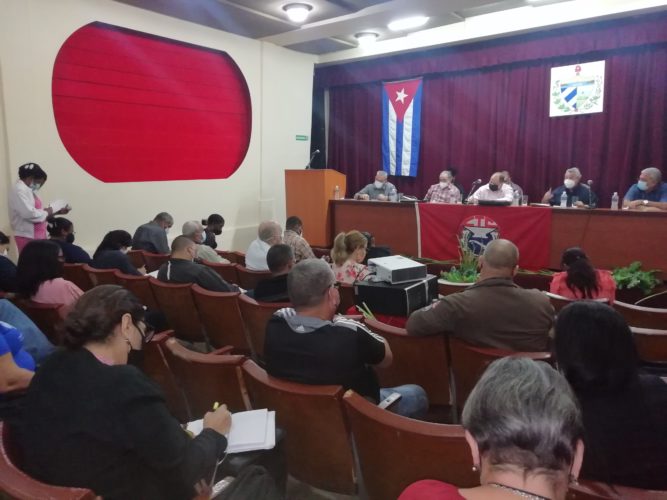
<point x="645" y="202"/>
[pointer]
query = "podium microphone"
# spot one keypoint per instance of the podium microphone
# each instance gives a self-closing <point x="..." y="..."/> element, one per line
<point x="593" y="196"/>
<point x="316" y="152"/>
<point x="472" y="188"/>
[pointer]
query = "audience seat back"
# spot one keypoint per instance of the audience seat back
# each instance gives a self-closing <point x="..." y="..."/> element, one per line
<point x="657" y="300"/>
<point x="533" y="280"/>
<point x="17" y="484"/>
<point x="177" y="304"/>
<point x="468" y="363"/>
<point x="651" y="344"/>
<point x="417" y="360"/>
<point x="136" y="258"/>
<point x="156" y="367"/>
<point x="593" y="490"/>
<point x="255" y="317"/>
<point x="77" y="275"/>
<point x="248" y="279"/>
<point x="139" y="286"/>
<point x="209" y="378"/>
<point x="449" y="288"/>
<point x="317" y="442"/>
<point x="47" y="317"/>
<point x="233" y="256"/>
<point x="101" y="276"/>
<point x="642" y="317"/>
<point x="226" y="271"/>
<point x="220" y="315"/>
<point x="396" y="451"/>
<point x="346" y="293"/>
<point x="154" y="260"/>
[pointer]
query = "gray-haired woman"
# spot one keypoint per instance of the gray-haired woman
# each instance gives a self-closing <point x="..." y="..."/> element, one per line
<point x="525" y="432"/>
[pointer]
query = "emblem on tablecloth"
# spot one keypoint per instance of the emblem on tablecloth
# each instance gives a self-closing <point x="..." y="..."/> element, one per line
<point x="577" y="89"/>
<point x="479" y="231"/>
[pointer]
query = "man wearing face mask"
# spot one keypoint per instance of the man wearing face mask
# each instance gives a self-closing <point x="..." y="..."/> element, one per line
<point x="180" y="268"/>
<point x="572" y="187"/>
<point x="195" y="231"/>
<point x="379" y="190"/>
<point x="152" y="236"/>
<point x="27" y="213"/>
<point x="294" y="238"/>
<point x="496" y="190"/>
<point x="649" y="193"/>
<point x="444" y="191"/>
<point x="214" y="225"/>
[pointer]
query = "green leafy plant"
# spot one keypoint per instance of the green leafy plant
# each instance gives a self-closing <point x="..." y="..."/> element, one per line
<point x="633" y="276"/>
<point x="466" y="271"/>
<point x="365" y="311"/>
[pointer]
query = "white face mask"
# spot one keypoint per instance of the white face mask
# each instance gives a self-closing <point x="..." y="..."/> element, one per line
<point x="444" y="184"/>
<point x="378" y="184"/>
<point x="35" y="186"/>
<point x="125" y="249"/>
<point x="5" y="252"/>
<point x="568" y="183"/>
<point x="166" y="230"/>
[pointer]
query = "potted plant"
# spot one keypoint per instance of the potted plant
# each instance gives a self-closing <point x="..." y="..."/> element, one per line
<point x="463" y="275"/>
<point x="634" y="281"/>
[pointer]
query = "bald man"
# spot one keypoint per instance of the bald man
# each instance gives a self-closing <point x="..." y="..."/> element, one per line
<point x="494" y="312"/>
<point x="496" y="190"/>
<point x="269" y="233"/>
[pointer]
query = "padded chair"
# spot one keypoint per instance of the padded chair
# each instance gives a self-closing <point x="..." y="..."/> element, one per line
<point x="248" y="279"/>
<point x="592" y="490"/>
<point x="317" y="442"/>
<point x="154" y="260"/>
<point x="396" y="451"/>
<point x="658" y="300"/>
<point x="47" y="317"/>
<point x="642" y="317"/>
<point x="220" y="315"/>
<point x="207" y="378"/>
<point x="417" y="360"/>
<point x="101" y="276"/>
<point x="136" y="258"/>
<point x="17" y="484"/>
<point x="533" y="280"/>
<point x="232" y="256"/>
<point x="651" y="345"/>
<point x="226" y="271"/>
<point x="255" y="317"/>
<point x="557" y="301"/>
<point x="448" y="289"/>
<point x="140" y="287"/>
<point x="177" y="304"/>
<point x="156" y="366"/>
<point x="468" y="363"/>
<point x="346" y="292"/>
<point x="77" y="275"/>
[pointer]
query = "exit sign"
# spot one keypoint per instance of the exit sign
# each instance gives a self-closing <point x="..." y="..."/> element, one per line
<point x="301" y="137"/>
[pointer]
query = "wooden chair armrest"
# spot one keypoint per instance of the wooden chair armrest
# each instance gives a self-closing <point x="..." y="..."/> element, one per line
<point x="223" y="350"/>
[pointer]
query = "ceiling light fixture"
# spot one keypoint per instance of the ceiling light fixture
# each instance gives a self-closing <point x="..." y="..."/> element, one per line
<point x="407" y="23"/>
<point x="366" y="38"/>
<point x="297" y="12"/>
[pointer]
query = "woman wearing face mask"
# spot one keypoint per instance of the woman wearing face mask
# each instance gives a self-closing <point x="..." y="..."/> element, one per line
<point x="7" y="267"/>
<point x="112" y="253"/>
<point x="27" y="213"/>
<point x="61" y="231"/>
<point x="93" y="422"/>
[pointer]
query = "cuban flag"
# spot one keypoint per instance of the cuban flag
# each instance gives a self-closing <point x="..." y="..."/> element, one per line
<point x="401" y="126"/>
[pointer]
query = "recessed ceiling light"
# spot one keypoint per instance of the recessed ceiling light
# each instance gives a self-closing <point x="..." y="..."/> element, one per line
<point x="297" y="12"/>
<point x="366" y="38"/>
<point x="407" y="23"/>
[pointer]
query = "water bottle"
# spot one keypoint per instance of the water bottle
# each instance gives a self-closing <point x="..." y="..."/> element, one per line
<point x="515" y="199"/>
<point x="563" y="200"/>
<point x="614" y="201"/>
<point x="392" y="194"/>
<point x="336" y="193"/>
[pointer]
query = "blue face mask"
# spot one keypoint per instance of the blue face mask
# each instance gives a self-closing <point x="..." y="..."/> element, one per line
<point x="642" y="186"/>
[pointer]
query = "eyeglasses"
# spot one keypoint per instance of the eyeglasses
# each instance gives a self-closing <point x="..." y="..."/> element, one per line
<point x="147" y="333"/>
<point x="335" y="285"/>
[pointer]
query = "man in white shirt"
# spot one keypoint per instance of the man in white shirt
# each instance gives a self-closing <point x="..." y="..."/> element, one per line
<point x="495" y="190"/>
<point x="269" y="233"/>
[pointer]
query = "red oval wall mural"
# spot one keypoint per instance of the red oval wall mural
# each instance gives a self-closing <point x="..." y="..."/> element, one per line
<point x="136" y="107"/>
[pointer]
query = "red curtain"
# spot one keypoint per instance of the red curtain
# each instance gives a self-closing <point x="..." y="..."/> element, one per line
<point x="497" y="118"/>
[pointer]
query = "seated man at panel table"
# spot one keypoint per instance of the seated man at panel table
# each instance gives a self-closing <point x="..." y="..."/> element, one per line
<point x="195" y="231"/>
<point x="572" y="187"/>
<point x="274" y="289"/>
<point x="309" y="345"/>
<point x="494" y="312"/>
<point x="152" y="236"/>
<point x="649" y="193"/>
<point x="180" y="268"/>
<point x="508" y="180"/>
<point x="294" y="238"/>
<point x="444" y="191"/>
<point x="379" y="190"/>
<point x="496" y="190"/>
<point x="269" y="233"/>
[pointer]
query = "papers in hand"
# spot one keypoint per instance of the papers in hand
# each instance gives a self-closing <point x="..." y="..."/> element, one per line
<point x="250" y="430"/>
<point x="58" y="205"/>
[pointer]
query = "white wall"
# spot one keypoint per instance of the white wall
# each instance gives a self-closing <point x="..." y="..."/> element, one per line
<point x="280" y="83"/>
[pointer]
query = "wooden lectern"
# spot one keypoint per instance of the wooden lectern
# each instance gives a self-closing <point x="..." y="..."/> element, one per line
<point x="307" y="195"/>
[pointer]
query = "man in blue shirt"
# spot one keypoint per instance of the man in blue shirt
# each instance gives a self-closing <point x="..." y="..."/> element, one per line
<point x="648" y="192"/>
<point x="572" y="187"/>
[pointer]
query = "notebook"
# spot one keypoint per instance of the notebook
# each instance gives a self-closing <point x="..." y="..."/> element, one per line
<point x="250" y="430"/>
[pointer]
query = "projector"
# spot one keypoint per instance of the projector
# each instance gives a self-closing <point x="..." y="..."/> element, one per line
<point x="396" y="269"/>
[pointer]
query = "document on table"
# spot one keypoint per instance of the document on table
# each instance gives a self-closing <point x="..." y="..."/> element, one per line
<point x="250" y="430"/>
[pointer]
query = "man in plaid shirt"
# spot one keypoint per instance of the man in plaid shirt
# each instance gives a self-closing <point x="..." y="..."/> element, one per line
<point x="445" y="191"/>
<point x="293" y="238"/>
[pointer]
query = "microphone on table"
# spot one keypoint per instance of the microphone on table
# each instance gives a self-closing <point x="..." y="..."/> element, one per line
<point x="316" y="152"/>
<point x="593" y="197"/>
<point x="472" y="188"/>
